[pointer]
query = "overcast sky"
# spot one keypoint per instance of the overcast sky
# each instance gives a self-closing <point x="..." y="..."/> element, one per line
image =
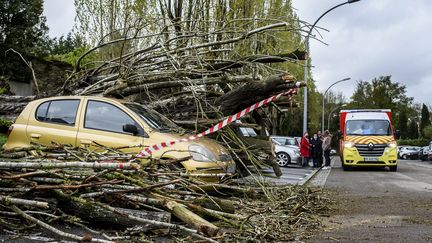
<point x="367" y="39"/>
<point x="372" y="38"/>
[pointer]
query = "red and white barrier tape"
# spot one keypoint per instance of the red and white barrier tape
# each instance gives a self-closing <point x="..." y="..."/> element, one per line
<point x="148" y="151"/>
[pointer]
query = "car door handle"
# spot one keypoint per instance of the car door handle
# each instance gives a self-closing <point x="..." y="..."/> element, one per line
<point x="35" y="136"/>
<point x="85" y="141"/>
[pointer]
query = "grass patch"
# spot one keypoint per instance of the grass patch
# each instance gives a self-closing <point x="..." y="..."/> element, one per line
<point x="2" y="139"/>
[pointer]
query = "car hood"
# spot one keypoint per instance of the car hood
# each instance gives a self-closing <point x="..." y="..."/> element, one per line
<point x="182" y="147"/>
<point x="370" y="139"/>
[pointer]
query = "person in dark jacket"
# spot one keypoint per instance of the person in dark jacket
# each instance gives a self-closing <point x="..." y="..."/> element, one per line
<point x="317" y="151"/>
<point x="305" y="149"/>
<point x="321" y="158"/>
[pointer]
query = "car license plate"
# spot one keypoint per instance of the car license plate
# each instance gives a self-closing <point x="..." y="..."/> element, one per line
<point x="371" y="158"/>
<point x="231" y="169"/>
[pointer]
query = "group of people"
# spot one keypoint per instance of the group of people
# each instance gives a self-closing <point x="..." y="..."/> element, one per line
<point x="315" y="148"/>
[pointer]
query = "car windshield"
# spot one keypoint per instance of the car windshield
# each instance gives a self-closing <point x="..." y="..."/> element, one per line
<point x="154" y="119"/>
<point x="368" y="127"/>
<point x="285" y="141"/>
<point x="248" y="132"/>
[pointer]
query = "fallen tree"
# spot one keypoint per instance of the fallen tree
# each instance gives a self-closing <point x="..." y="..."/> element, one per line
<point x="147" y="202"/>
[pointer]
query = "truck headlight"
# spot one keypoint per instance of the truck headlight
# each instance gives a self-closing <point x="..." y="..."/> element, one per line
<point x="392" y="144"/>
<point x="200" y="153"/>
<point x="349" y="144"/>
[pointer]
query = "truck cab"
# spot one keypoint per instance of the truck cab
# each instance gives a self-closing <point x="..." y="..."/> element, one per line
<point x="367" y="139"/>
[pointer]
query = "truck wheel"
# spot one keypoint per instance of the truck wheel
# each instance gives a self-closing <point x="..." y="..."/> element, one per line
<point x="393" y="168"/>
<point x="345" y="167"/>
<point x="283" y="159"/>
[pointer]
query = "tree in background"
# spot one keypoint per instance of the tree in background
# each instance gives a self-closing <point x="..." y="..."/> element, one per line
<point x="427" y="132"/>
<point x="413" y="130"/>
<point x="425" y="119"/>
<point x="63" y="45"/>
<point x="383" y="93"/>
<point x="23" y="28"/>
<point x="402" y="124"/>
<point x="127" y="26"/>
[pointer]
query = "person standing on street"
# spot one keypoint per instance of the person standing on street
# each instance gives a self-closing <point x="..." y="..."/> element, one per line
<point x="326" y="148"/>
<point x="316" y="150"/>
<point x="305" y="149"/>
<point x="320" y="158"/>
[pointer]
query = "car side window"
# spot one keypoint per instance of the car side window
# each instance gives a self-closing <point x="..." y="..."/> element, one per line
<point x="290" y="141"/>
<point x="58" y="111"/>
<point x="42" y="111"/>
<point x="280" y="140"/>
<point x="107" y="117"/>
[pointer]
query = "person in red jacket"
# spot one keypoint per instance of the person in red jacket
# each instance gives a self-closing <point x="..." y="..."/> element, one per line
<point x="305" y="149"/>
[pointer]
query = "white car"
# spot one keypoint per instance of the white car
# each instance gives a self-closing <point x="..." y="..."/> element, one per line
<point x="287" y="150"/>
<point x="409" y="152"/>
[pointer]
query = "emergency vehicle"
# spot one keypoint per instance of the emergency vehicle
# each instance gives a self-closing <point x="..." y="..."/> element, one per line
<point x="367" y="138"/>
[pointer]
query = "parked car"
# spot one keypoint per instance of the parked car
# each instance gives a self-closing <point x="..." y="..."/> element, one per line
<point x="82" y="120"/>
<point x="286" y="149"/>
<point x="409" y="152"/>
<point x="423" y="153"/>
<point x="247" y="131"/>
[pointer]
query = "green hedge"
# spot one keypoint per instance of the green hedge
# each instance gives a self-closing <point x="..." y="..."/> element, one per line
<point x="414" y="142"/>
<point x="2" y="139"/>
<point x="4" y="125"/>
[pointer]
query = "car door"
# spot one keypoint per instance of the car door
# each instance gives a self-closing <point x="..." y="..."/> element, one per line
<point x="54" y="121"/>
<point x="103" y="122"/>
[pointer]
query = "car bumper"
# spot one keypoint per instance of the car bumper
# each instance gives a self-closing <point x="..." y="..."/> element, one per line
<point x="216" y="171"/>
<point x="351" y="157"/>
<point x="295" y="159"/>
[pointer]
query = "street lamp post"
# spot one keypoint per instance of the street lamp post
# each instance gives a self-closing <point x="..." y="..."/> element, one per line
<point x="331" y="112"/>
<point x="306" y="70"/>
<point x="323" y="99"/>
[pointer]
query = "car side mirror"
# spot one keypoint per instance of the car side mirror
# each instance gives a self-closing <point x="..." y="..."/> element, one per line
<point x="130" y="128"/>
<point x="397" y="134"/>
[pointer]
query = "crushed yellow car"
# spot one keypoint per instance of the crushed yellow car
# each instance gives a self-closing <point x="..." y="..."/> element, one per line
<point x="83" y="120"/>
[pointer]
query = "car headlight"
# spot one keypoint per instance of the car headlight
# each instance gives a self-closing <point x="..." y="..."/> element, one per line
<point x="392" y="144"/>
<point x="200" y="153"/>
<point x="349" y="144"/>
<point x="297" y="152"/>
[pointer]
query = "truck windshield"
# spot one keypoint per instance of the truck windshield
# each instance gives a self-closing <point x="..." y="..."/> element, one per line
<point x="154" y="119"/>
<point x="368" y="128"/>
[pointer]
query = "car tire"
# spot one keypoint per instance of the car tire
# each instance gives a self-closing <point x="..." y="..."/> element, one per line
<point x="404" y="156"/>
<point x="345" y="167"/>
<point x="283" y="159"/>
<point x="393" y="168"/>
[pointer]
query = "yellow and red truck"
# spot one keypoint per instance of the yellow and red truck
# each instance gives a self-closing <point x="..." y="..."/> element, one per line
<point x="367" y="138"/>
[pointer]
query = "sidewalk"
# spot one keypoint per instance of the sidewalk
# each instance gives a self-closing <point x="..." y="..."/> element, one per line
<point x="293" y="175"/>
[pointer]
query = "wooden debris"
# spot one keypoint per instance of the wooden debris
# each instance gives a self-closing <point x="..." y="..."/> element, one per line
<point x="151" y="198"/>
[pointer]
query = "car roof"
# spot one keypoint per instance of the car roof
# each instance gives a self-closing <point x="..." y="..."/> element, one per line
<point x="280" y="137"/>
<point x="82" y="97"/>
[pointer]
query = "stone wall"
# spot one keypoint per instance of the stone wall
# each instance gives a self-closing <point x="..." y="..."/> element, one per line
<point x="50" y="76"/>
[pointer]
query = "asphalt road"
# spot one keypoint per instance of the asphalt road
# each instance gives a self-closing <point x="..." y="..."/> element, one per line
<point x="375" y="205"/>
<point x="292" y="174"/>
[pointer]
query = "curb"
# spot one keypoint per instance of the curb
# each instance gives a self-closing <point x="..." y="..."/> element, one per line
<point x="320" y="182"/>
<point x="310" y="176"/>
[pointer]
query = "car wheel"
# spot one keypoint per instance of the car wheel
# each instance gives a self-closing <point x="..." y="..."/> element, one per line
<point x="404" y="156"/>
<point x="345" y="167"/>
<point x="393" y="168"/>
<point x="283" y="159"/>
